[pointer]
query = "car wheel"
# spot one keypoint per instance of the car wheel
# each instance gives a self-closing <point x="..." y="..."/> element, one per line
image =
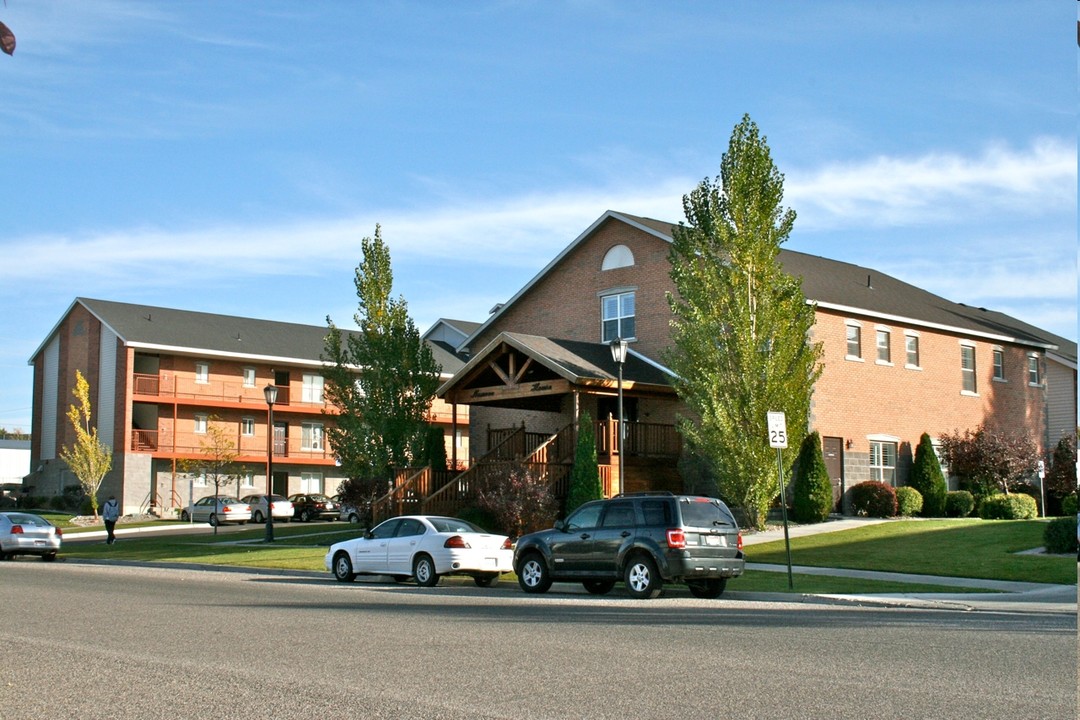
<point x="533" y="574"/>
<point x="642" y="578"/>
<point x="343" y="571"/>
<point x="305" y="516"/>
<point x="185" y="516"/>
<point x="213" y="520"/>
<point x="424" y="572"/>
<point x="258" y="517"/>
<point x="354" y="519"/>
<point x="708" y="589"/>
<point x="486" y="580"/>
<point x="598" y="587"/>
<point x="48" y="557"/>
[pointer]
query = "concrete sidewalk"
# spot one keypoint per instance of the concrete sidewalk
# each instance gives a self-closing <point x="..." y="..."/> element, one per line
<point x="1002" y="596"/>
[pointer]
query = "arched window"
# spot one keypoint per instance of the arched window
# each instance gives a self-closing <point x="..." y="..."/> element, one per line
<point x="617" y="257"/>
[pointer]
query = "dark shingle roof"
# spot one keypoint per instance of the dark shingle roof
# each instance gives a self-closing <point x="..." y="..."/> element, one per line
<point x="186" y="331"/>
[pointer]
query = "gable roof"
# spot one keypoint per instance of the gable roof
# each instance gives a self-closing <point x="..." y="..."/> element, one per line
<point x="577" y="361"/>
<point x="186" y="332"/>
<point x="845" y="287"/>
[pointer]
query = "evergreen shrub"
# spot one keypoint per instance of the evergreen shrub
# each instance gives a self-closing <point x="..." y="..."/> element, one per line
<point x="927" y="478"/>
<point x="959" y="503"/>
<point x="873" y="499"/>
<point x="1069" y="504"/>
<point x="1008" y="507"/>
<point x="812" y="499"/>
<point x="909" y="501"/>
<point x="1059" y="537"/>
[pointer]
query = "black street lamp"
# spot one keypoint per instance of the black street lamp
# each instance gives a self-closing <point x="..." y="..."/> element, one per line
<point x="618" y="354"/>
<point x="270" y="393"/>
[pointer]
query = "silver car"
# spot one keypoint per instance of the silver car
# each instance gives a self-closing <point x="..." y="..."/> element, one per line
<point x="26" y="534"/>
<point x="217" y="511"/>
<point x="281" y="507"/>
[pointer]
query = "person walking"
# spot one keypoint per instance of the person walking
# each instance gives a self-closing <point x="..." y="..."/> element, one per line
<point x="110" y="512"/>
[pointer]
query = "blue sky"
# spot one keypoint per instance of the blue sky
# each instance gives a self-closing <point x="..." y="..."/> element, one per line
<point x="228" y="156"/>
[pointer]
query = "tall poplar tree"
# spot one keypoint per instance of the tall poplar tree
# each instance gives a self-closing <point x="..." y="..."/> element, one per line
<point x="382" y="378"/>
<point x="89" y="458"/>
<point x="740" y="325"/>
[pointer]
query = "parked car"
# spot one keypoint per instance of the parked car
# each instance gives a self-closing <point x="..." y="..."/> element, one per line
<point x="217" y="510"/>
<point x="424" y="547"/>
<point x="347" y="512"/>
<point x="281" y="507"/>
<point x="313" y="507"/>
<point x="28" y="534"/>
<point x="643" y="539"/>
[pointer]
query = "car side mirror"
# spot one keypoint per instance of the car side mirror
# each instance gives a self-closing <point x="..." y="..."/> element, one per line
<point x="560" y="525"/>
<point x="368" y="535"/>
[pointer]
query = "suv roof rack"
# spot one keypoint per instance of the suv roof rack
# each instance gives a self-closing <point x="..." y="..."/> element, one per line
<point x="646" y="493"/>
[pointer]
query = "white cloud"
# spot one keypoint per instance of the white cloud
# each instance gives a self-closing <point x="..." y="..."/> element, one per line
<point x="936" y="187"/>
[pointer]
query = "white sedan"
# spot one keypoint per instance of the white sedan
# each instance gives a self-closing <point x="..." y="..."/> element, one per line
<point x="424" y="547"/>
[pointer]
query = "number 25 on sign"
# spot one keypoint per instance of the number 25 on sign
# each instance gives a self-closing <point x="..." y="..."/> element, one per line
<point x="777" y="429"/>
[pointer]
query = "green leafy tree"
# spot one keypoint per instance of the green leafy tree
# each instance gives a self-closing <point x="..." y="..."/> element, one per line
<point x="740" y="324"/>
<point x="381" y="378"/>
<point x="585" y="482"/>
<point x="812" y="498"/>
<point x="88" y="457"/>
<point x="216" y="460"/>
<point x="927" y="478"/>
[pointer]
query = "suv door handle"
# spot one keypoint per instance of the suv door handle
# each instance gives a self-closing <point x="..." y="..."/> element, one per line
<point x="626" y="533"/>
<point x="584" y="536"/>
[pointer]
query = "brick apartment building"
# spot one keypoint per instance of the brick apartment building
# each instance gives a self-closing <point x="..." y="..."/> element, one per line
<point x="898" y="361"/>
<point x="160" y="377"/>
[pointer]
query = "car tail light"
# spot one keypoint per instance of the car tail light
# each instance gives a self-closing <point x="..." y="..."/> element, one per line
<point x="676" y="539"/>
<point x="507" y="545"/>
<point x="16" y="530"/>
<point x="739" y="546"/>
<point x="58" y="532"/>
<point x="226" y="509"/>
<point x="456" y="541"/>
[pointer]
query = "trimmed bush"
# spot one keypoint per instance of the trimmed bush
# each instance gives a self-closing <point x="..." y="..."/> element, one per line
<point x="926" y="477"/>
<point x="909" y="501"/>
<point x="812" y="499"/>
<point x="585" y="484"/>
<point x="480" y="517"/>
<point x="873" y="499"/>
<point x="1059" y="537"/>
<point x="1008" y="507"/>
<point x="1068" y="505"/>
<point x="959" y="503"/>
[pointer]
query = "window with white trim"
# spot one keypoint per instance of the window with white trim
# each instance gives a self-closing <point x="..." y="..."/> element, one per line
<point x="247" y="426"/>
<point x="1034" y="371"/>
<point x="999" y="364"/>
<point x="883" y="461"/>
<point x="312" y="391"/>
<point x="617" y="257"/>
<point x="249" y="377"/>
<point x="247" y="480"/>
<point x="311" y="482"/>
<point x="199" y="480"/>
<point x="617" y="317"/>
<point x="884" y="349"/>
<point x="911" y="347"/>
<point x="202" y="373"/>
<point x="201" y="422"/>
<point x="311" y="436"/>
<point x="854" y="341"/>
<point x="967" y="369"/>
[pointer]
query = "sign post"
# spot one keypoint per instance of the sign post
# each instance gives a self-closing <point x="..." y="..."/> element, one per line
<point x="1041" y="468"/>
<point x="778" y="439"/>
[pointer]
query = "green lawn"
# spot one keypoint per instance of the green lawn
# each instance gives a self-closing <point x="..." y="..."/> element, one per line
<point x="952" y="548"/>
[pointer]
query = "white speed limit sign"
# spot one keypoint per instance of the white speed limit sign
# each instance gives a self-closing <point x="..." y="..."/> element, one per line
<point x="777" y="430"/>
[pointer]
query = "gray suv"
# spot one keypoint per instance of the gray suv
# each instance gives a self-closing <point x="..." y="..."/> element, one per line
<point x="643" y="539"/>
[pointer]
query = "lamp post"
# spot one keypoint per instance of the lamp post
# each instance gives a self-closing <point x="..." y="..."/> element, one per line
<point x="270" y="393"/>
<point x="618" y="354"/>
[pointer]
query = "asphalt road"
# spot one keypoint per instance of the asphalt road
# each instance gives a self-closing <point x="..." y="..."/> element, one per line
<point x="91" y="641"/>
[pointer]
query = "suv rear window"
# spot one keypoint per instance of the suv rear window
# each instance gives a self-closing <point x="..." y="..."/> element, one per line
<point x="705" y="513"/>
<point x="656" y="512"/>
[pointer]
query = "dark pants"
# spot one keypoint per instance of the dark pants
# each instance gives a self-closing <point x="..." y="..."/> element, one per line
<point x="110" y="525"/>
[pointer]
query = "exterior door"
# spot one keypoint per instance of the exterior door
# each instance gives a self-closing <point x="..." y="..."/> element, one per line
<point x="280" y="483"/>
<point x="833" y="451"/>
<point x="281" y="439"/>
